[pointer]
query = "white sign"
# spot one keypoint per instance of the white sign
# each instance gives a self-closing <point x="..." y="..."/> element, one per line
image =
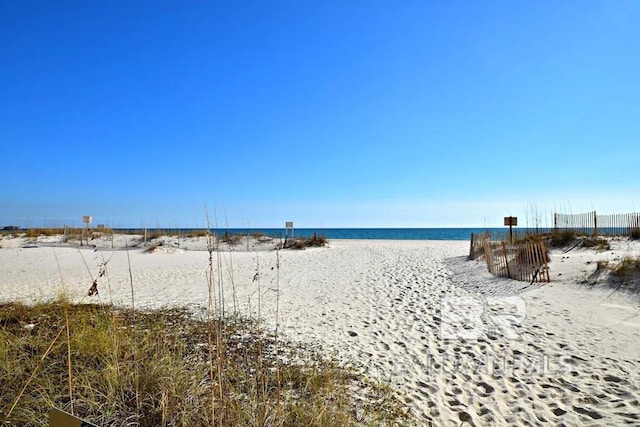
<point x="87" y="219"/>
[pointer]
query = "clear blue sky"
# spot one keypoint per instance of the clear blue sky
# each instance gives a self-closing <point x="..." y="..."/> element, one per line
<point x="327" y="113"/>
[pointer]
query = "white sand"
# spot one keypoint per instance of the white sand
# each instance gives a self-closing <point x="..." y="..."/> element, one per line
<point x="576" y="359"/>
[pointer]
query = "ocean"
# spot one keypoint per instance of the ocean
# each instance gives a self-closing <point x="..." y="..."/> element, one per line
<point x="357" y="233"/>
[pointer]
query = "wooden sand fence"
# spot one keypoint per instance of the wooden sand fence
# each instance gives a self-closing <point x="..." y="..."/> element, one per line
<point x="591" y="223"/>
<point x="525" y="261"/>
<point x="477" y="244"/>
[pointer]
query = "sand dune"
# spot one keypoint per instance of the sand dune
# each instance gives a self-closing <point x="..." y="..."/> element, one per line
<point x="460" y="344"/>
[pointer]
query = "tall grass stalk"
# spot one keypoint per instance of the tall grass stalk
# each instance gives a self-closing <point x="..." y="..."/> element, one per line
<point x="106" y="275"/>
<point x="230" y="270"/>
<point x="33" y="375"/>
<point x="261" y="378"/>
<point x="277" y="361"/>
<point x="65" y="308"/>
<point x="215" y="371"/>
<point x="136" y="369"/>
<point x="87" y="265"/>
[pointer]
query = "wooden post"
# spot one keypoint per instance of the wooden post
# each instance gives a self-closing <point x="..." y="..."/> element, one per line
<point x="471" y="248"/>
<point x="543" y="248"/>
<point x="506" y="260"/>
<point x="488" y="255"/>
<point x="595" y="224"/>
<point x="510" y="221"/>
<point x="535" y="262"/>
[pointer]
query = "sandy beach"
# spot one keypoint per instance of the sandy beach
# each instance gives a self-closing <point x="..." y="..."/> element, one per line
<point x="461" y="345"/>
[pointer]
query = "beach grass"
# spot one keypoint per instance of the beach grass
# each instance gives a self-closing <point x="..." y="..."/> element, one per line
<point x="116" y="366"/>
<point x="597" y="243"/>
<point x="562" y="238"/>
<point x="305" y="242"/>
<point x="627" y="272"/>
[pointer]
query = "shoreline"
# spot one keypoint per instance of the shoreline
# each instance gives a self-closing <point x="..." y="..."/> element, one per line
<point x="365" y="233"/>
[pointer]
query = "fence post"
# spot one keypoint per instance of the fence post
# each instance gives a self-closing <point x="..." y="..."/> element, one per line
<point x="595" y="224"/>
<point x="488" y="254"/>
<point x="506" y="260"/>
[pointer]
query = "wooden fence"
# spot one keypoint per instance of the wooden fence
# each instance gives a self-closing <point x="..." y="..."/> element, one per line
<point x="476" y="249"/>
<point x="591" y="223"/>
<point x="524" y="261"/>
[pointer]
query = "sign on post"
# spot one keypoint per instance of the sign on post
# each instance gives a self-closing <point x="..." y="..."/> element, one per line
<point x="58" y="418"/>
<point x="86" y="219"/>
<point x="511" y="221"/>
<point x="288" y="226"/>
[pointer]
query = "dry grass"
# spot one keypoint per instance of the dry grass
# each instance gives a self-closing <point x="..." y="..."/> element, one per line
<point x="569" y="238"/>
<point x="121" y="367"/>
<point x="627" y="272"/>
<point x="70" y="234"/>
<point x="152" y="248"/>
<point x="194" y="233"/>
<point x="173" y="367"/>
<point x="562" y="238"/>
<point x="620" y="276"/>
<point x="305" y="242"/>
<point x="37" y="232"/>
<point x="597" y="243"/>
<point x="230" y="238"/>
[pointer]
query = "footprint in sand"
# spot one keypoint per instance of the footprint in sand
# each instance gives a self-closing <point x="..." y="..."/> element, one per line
<point x="584" y="411"/>
<point x="464" y="417"/>
<point x="486" y="388"/>
<point x="558" y="412"/>
<point x="613" y="379"/>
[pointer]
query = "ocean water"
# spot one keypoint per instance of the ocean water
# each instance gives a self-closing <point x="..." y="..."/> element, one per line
<point x="360" y="233"/>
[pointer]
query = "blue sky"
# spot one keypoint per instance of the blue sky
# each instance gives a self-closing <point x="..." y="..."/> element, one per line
<point x="330" y="114"/>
